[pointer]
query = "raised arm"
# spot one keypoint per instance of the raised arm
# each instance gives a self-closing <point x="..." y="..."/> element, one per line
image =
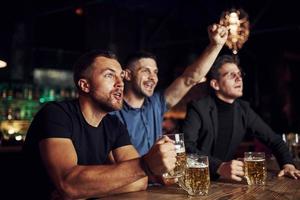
<point x="79" y="181"/>
<point x="195" y="72"/>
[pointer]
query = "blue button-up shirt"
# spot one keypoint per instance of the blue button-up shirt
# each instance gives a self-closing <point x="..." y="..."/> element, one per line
<point x="144" y="124"/>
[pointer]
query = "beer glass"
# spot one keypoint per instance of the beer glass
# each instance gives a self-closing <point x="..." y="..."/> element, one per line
<point x="289" y="138"/>
<point x="255" y="168"/>
<point x="296" y="147"/>
<point x="196" y="180"/>
<point x="180" y="164"/>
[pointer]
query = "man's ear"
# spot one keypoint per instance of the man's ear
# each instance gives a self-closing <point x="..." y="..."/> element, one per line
<point x="214" y="84"/>
<point x="128" y="75"/>
<point x="84" y="85"/>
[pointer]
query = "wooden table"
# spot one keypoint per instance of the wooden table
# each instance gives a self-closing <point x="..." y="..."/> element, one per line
<point x="282" y="188"/>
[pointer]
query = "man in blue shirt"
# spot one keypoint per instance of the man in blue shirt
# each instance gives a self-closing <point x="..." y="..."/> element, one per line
<point x="143" y="109"/>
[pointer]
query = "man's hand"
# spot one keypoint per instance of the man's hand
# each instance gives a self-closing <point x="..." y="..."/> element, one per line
<point x="289" y="170"/>
<point x="232" y="170"/>
<point x="165" y="181"/>
<point x="217" y="34"/>
<point x="161" y="157"/>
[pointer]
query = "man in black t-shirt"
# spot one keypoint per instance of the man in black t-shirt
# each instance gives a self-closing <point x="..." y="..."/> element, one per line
<point x="74" y="149"/>
<point x="217" y="124"/>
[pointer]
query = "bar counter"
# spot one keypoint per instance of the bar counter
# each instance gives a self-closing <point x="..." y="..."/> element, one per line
<point x="281" y="188"/>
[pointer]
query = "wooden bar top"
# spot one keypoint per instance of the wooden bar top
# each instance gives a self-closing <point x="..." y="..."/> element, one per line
<point x="281" y="188"/>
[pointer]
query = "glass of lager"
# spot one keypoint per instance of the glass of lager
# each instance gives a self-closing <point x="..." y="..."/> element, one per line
<point x="255" y="168"/>
<point x="196" y="180"/>
<point x="296" y="147"/>
<point x="180" y="164"/>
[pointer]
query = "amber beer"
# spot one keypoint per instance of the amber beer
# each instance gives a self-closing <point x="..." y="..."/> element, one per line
<point x="255" y="168"/>
<point x="296" y="151"/>
<point x="180" y="164"/>
<point x="196" y="180"/>
<point x="296" y="147"/>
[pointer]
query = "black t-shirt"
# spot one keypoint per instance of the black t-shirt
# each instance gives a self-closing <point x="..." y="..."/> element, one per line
<point x="65" y="120"/>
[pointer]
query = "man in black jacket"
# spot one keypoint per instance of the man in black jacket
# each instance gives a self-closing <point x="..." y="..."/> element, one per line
<point x="217" y="124"/>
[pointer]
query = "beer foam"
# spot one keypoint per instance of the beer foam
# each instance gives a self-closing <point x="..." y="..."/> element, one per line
<point x="195" y="164"/>
<point x="198" y="165"/>
<point x="179" y="149"/>
<point x="255" y="159"/>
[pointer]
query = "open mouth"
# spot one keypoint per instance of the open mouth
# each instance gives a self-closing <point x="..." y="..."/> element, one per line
<point x="118" y="95"/>
<point x="149" y="85"/>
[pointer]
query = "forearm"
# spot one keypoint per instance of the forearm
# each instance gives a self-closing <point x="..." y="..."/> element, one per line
<point x="282" y="155"/>
<point x="269" y="138"/>
<point x="195" y="72"/>
<point x="192" y="75"/>
<point x="95" y="181"/>
<point x="217" y="36"/>
<point x="138" y="185"/>
<point x="280" y="150"/>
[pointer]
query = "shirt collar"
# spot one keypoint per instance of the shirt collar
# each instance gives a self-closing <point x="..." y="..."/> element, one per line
<point x="127" y="107"/>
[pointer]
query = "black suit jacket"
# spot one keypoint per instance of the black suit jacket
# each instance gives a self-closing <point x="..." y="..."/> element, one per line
<point x="200" y="129"/>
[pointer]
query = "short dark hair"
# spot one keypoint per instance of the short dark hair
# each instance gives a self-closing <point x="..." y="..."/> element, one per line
<point x="136" y="56"/>
<point x="219" y="62"/>
<point x="84" y="63"/>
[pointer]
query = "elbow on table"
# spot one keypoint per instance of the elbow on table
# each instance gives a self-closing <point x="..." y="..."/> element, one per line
<point x="143" y="185"/>
<point x="139" y="185"/>
<point x="68" y="192"/>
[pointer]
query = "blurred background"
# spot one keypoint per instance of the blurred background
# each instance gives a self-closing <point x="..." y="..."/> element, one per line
<point x="40" y="41"/>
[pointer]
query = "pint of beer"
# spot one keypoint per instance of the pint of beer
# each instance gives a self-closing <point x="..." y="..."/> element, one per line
<point x="255" y="168"/>
<point x="296" y="147"/>
<point x="196" y="180"/>
<point x="296" y="151"/>
<point x="180" y="164"/>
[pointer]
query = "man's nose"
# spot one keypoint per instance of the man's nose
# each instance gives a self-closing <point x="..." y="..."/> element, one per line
<point x="119" y="82"/>
<point x="153" y="76"/>
<point x="238" y="76"/>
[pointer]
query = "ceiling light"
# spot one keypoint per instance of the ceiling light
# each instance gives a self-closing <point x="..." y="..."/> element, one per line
<point x="2" y="64"/>
<point x="238" y="26"/>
